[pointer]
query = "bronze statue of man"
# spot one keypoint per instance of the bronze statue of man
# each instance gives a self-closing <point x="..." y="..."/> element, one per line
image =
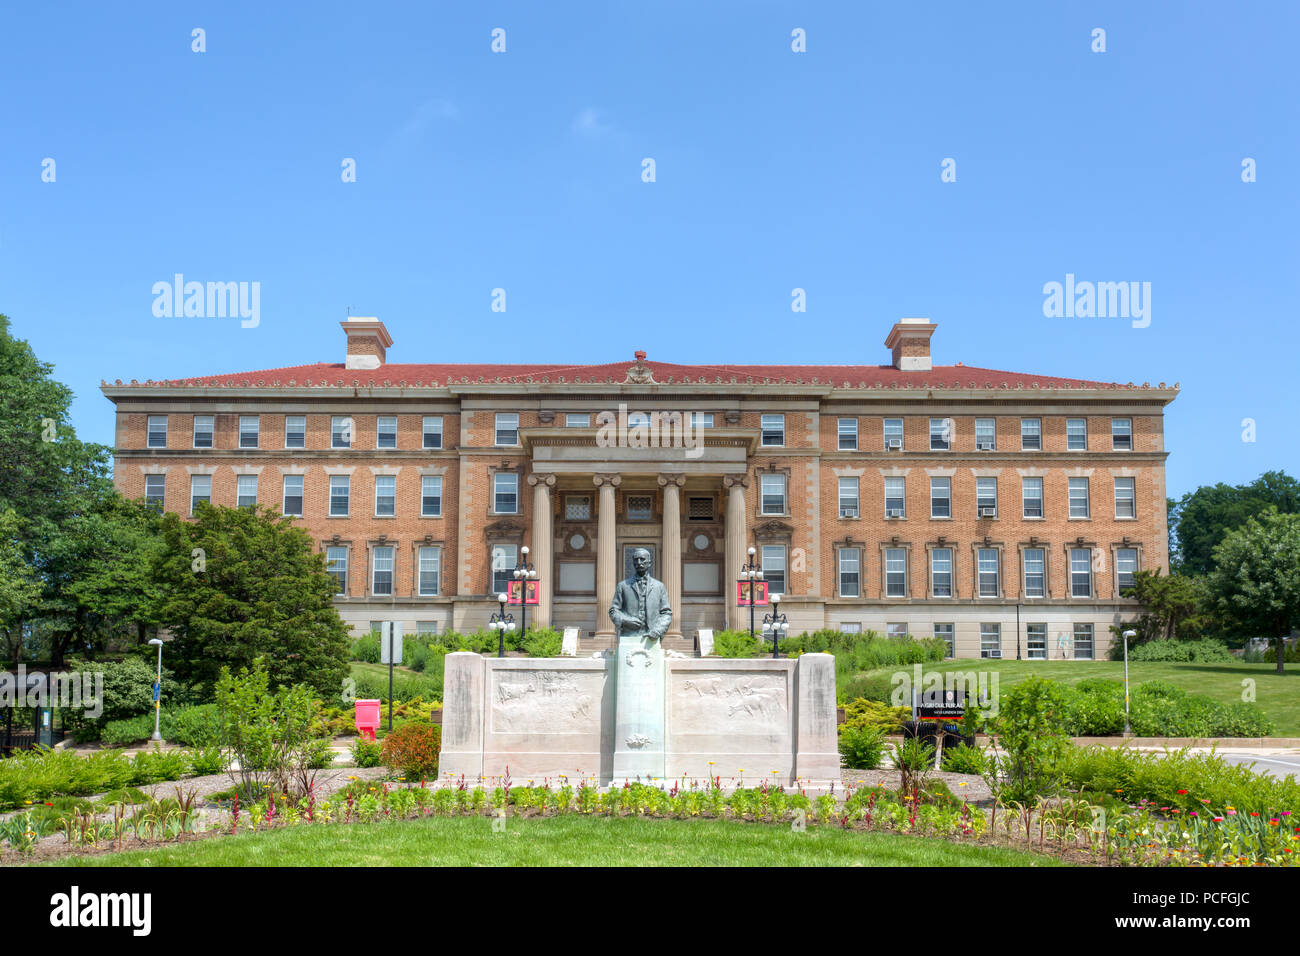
<point x="640" y="606"/>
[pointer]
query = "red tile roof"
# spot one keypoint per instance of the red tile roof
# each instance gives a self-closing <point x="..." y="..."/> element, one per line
<point x="838" y="376"/>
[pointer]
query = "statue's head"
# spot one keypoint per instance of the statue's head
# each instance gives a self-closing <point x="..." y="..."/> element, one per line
<point x="641" y="562"/>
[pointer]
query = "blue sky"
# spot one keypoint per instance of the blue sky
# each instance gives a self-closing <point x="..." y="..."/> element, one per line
<point x="774" y="170"/>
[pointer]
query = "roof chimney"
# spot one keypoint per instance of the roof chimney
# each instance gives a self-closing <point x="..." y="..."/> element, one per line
<point x="910" y="341"/>
<point x="368" y="341"/>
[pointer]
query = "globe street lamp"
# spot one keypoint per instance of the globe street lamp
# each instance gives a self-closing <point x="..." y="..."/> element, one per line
<point x="1127" y="635"/>
<point x="775" y="624"/>
<point x="157" y="695"/>
<point x="502" y="622"/>
<point x="751" y="573"/>
<point x="523" y="573"/>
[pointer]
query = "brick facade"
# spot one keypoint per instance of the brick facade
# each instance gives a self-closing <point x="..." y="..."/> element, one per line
<point x="597" y="498"/>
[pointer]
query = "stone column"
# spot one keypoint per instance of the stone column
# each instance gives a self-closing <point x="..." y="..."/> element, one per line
<point x="543" y="546"/>
<point x="606" y="552"/>
<point x="670" y="570"/>
<point x="736" y="547"/>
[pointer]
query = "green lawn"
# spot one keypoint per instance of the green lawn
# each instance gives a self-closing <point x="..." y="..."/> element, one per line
<point x="566" y="841"/>
<point x="1279" y="696"/>
<point x="406" y="682"/>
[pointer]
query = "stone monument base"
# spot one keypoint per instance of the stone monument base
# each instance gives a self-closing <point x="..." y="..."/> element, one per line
<point x="738" y="721"/>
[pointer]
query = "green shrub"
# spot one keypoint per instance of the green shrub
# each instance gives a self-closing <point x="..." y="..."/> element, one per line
<point x="543" y="642"/>
<point x="963" y="759"/>
<point x="366" y="753"/>
<point x="1031" y="738"/>
<point x="366" y="648"/>
<point x="875" y="715"/>
<point x="128" y="687"/>
<point x="1206" y="650"/>
<point x="412" y="750"/>
<point x="861" y="747"/>
<point x="736" y="644"/>
<point x="207" y="761"/>
<point x="877" y="687"/>
<point x="198" y="726"/>
<point x="134" y="730"/>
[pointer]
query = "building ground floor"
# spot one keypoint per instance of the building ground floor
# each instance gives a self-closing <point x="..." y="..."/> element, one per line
<point x="971" y="630"/>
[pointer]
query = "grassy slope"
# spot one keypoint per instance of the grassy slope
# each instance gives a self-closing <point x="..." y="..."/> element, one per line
<point x="566" y="841"/>
<point x="1278" y="695"/>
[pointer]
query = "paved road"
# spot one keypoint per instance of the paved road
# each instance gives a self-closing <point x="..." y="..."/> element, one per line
<point x="1277" y="764"/>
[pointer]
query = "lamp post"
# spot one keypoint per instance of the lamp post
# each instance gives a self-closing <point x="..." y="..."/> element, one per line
<point x="157" y="694"/>
<point x="750" y="573"/>
<point x="1127" y="634"/>
<point x="523" y="573"/>
<point x="502" y="622"/>
<point x="775" y="624"/>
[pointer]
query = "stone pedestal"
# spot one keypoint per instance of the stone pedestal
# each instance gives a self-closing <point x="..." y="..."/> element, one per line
<point x="638" y="710"/>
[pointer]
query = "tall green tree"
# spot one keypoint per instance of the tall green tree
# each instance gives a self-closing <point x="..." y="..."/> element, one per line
<point x="242" y="583"/>
<point x="1174" y="606"/>
<point x="1255" y="585"/>
<point x="1201" y="518"/>
<point x="20" y="589"/>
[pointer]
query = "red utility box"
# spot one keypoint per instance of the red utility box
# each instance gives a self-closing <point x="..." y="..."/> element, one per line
<point x="367" y="719"/>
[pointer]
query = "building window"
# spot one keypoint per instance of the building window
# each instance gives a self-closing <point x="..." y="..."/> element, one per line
<point x="772" y="492"/>
<point x="944" y="632"/>
<point x="941" y="572"/>
<point x="988" y="572"/>
<point x="940" y="431"/>
<point x="431" y="431"/>
<point x="341" y="431"/>
<point x="991" y="640"/>
<point x="940" y="497"/>
<point x="897" y="630"/>
<point x="1080" y="572"/>
<point x="986" y="497"/>
<point x="245" y="491"/>
<point x="701" y="419"/>
<point x="200" y="490"/>
<point x="1076" y="434"/>
<point x="577" y="507"/>
<point x="773" y="565"/>
<point x="426" y="627"/>
<point x="504" y="559"/>
<point x="155" y="487"/>
<point x="1121" y="434"/>
<point x="386" y="431"/>
<point x="1125" y="498"/>
<point x="848" y="497"/>
<point x="1031" y="434"/>
<point x="340" y="495"/>
<point x="986" y="434"/>
<point x="1126" y="565"/>
<point x="895" y="572"/>
<point x="430" y="570"/>
<point x="773" y="429"/>
<point x="381" y="580"/>
<point x="203" y="427"/>
<point x="1031" y="497"/>
<point x="293" y="495"/>
<point x="895" y="497"/>
<point x="1036" y="642"/>
<point x="250" y="428"/>
<point x="295" y="431"/>
<point x="385" y="496"/>
<point x="577" y="420"/>
<point x="1079" y="498"/>
<point x="847" y="429"/>
<point x="1035" y="573"/>
<point x="507" y="428"/>
<point x="640" y="507"/>
<point x="1083" y="642"/>
<point x="156" y="436"/>
<point x="505" y="493"/>
<point x="893" y="434"/>
<point x="431" y="496"/>
<point x="850" y="572"/>
<point x="336" y="564"/>
<point x="699" y="509"/>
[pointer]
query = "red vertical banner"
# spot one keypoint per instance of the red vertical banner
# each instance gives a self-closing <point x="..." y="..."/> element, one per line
<point x="742" y="593"/>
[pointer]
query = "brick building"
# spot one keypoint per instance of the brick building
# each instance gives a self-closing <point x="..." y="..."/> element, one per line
<point x="913" y="498"/>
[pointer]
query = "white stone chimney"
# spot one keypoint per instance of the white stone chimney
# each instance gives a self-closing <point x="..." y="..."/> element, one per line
<point x="909" y="340"/>
<point x="368" y="341"/>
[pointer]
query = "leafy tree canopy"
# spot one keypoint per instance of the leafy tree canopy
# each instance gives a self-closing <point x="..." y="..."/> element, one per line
<point x="1200" y="519"/>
